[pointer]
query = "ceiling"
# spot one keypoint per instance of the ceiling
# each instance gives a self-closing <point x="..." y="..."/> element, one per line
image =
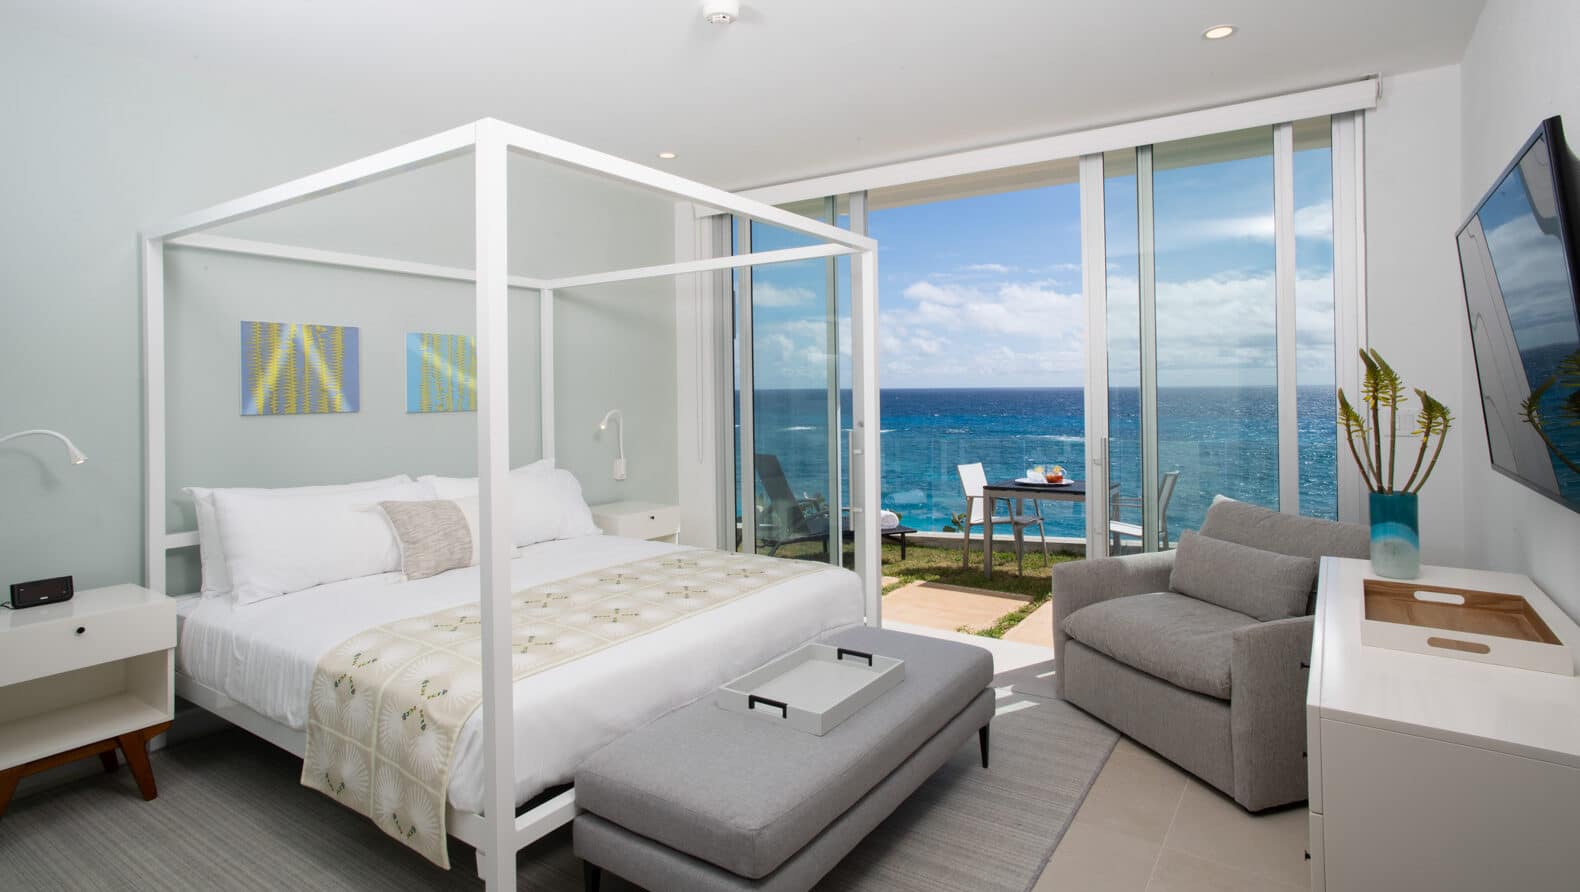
<point x="796" y="87"/>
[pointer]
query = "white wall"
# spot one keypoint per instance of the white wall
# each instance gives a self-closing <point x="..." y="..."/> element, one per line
<point x="1415" y="303"/>
<point x="100" y="141"/>
<point x="1521" y="66"/>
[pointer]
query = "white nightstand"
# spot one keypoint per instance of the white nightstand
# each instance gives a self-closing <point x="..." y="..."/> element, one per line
<point x="83" y="678"/>
<point x="639" y="520"/>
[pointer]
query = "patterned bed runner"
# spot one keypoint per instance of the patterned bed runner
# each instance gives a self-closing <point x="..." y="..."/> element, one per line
<point x="388" y="704"/>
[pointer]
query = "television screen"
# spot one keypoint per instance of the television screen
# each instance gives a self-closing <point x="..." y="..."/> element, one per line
<point x="1517" y="256"/>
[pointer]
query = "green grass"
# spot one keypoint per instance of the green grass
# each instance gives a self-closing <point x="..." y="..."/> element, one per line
<point x="942" y="565"/>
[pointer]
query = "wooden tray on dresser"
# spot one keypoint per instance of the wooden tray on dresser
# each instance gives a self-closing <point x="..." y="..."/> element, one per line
<point x="1487" y="627"/>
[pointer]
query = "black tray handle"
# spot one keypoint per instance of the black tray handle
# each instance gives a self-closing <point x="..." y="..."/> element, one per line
<point x="784" y="708"/>
<point x="841" y="653"/>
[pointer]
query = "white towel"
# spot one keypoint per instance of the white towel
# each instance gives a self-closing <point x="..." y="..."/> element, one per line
<point x="888" y="520"/>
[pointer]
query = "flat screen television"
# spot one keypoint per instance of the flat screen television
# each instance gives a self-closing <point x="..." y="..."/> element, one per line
<point x="1517" y="257"/>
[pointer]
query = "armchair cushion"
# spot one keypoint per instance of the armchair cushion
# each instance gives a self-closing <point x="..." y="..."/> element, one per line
<point x="1258" y="527"/>
<point x="1261" y="584"/>
<point x="1177" y="638"/>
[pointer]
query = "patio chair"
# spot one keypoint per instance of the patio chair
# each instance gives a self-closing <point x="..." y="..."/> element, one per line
<point x="972" y="479"/>
<point x="1118" y="529"/>
<point x="790" y="519"/>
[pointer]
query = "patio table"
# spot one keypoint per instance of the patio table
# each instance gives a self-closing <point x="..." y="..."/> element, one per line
<point x="1016" y="492"/>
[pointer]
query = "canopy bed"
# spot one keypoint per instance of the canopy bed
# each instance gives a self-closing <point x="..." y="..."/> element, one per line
<point x="260" y="665"/>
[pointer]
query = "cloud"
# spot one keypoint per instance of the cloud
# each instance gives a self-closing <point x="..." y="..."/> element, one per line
<point x="767" y="294"/>
<point x="1221" y="328"/>
<point x="997" y="268"/>
<point x="1313" y="221"/>
<point x="1211" y="330"/>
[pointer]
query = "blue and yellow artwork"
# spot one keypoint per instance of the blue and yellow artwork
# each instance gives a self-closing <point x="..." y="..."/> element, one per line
<point x="298" y="369"/>
<point x="441" y="373"/>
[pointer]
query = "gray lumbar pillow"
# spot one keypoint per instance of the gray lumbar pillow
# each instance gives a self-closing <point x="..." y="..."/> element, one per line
<point x="1260" y="584"/>
<point x="434" y="536"/>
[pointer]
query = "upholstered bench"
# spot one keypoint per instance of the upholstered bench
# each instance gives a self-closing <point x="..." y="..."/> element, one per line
<point x="708" y="799"/>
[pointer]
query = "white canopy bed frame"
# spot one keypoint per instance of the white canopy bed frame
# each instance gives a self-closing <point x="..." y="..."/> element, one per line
<point x="497" y="833"/>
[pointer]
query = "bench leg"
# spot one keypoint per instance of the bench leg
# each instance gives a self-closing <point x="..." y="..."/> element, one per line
<point x="8" y="781"/>
<point x="592" y="876"/>
<point x="982" y="741"/>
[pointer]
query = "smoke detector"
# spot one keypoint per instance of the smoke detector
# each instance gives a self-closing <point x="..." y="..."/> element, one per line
<point x="721" y="12"/>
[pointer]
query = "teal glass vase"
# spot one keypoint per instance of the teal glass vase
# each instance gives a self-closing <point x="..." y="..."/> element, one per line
<point x="1396" y="534"/>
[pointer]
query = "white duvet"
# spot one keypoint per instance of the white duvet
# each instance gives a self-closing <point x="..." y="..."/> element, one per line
<point x="263" y="655"/>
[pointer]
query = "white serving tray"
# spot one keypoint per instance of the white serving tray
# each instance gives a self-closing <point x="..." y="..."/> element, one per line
<point x="813" y="688"/>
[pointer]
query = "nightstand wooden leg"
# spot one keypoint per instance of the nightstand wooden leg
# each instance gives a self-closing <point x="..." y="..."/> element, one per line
<point x="134" y="747"/>
<point x="8" y="781"/>
<point x="108" y="760"/>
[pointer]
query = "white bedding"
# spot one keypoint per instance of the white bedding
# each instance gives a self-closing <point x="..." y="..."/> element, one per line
<point x="263" y="655"/>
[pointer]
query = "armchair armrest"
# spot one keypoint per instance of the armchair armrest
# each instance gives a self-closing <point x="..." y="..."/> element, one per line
<point x="1077" y="584"/>
<point x="1269" y="666"/>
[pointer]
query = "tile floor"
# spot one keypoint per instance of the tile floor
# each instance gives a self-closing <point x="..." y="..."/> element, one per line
<point x="1147" y="826"/>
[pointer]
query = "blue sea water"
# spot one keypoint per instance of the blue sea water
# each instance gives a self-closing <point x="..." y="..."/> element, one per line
<point x="1220" y="440"/>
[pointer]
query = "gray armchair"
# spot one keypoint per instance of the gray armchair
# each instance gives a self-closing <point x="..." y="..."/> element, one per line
<point x="1219" y="693"/>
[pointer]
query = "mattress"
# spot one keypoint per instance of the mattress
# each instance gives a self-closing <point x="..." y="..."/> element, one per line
<point x="264" y="655"/>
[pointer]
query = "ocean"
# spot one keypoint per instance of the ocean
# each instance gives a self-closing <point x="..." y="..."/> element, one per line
<point x="1220" y="440"/>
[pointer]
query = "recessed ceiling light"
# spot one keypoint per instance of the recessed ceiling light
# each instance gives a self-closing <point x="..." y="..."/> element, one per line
<point x="668" y="156"/>
<point x="1218" y="32"/>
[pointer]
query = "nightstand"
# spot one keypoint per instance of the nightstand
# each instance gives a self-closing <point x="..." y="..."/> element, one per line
<point x="639" y="520"/>
<point x="84" y="678"/>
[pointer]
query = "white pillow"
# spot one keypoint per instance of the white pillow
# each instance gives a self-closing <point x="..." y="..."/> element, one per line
<point x="211" y="545"/>
<point x="462" y="487"/>
<point x="546" y="503"/>
<point x="278" y="544"/>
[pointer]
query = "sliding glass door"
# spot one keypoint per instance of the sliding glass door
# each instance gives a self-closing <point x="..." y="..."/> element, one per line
<point x="1219" y="350"/>
<point x="788" y="396"/>
<point x="1215" y="311"/>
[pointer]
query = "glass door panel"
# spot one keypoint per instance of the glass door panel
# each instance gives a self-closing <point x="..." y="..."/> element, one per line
<point x="1121" y="236"/>
<point x="1314" y="319"/>
<point x="789" y="483"/>
<point x="1217" y="399"/>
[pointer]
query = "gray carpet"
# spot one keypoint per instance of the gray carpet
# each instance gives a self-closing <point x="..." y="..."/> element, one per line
<point x="231" y="815"/>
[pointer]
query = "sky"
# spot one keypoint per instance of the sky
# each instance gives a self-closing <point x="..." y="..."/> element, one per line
<point x="986" y="291"/>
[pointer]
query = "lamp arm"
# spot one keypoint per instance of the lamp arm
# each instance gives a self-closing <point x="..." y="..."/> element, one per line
<point x="72" y="452"/>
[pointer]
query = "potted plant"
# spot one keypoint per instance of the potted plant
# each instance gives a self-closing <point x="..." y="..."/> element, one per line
<point x="1395" y="512"/>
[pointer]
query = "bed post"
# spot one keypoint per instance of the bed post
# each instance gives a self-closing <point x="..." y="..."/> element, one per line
<point x="153" y="269"/>
<point x="546" y="369"/>
<point x="497" y="853"/>
<point x="864" y="409"/>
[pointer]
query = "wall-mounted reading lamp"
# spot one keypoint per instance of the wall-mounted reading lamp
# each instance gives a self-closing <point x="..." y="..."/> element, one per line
<point x="615" y="416"/>
<point x="72" y="451"/>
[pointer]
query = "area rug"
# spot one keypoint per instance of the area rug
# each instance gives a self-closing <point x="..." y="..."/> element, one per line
<point x="231" y="815"/>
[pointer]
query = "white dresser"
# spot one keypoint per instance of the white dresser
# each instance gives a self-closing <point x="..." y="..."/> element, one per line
<point x="1436" y="773"/>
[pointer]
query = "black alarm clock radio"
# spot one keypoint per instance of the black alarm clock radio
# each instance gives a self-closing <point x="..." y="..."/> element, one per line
<point x="40" y="591"/>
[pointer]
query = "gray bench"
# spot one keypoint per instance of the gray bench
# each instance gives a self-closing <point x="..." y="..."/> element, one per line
<point x="707" y="799"/>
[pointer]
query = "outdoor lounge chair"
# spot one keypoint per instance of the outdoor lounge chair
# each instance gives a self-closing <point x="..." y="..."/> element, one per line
<point x="790" y="519"/>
